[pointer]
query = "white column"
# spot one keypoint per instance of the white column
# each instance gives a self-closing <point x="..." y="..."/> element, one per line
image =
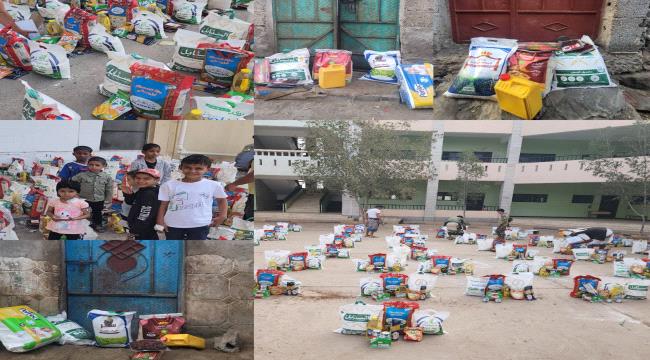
<point x="437" y="138"/>
<point x="514" y="150"/>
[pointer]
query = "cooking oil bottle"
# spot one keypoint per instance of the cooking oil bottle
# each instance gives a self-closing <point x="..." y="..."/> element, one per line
<point x="242" y="81"/>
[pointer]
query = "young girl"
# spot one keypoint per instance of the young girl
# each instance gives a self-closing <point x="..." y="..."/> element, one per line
<point x="68" y="212"/>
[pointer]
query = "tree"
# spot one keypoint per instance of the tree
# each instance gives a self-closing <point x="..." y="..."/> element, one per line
<point x="624" y="164"/>
<point x="365" y="159"/>
<point x="470" y="171"/>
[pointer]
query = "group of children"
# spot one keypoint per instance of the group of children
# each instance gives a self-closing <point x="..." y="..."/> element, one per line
<point x="153" y="203"/>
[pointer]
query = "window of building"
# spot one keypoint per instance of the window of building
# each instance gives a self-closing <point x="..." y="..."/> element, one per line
<point x="482" y="156"/>
<point x="451" y="155"/>
<point x="123" y="135"/>
<point x="529" y="157"/>
<point x="638" y="200"/>
<point x="582" y="199"/>
<point x="530" y="198"/>
<point x="447" y="196"/>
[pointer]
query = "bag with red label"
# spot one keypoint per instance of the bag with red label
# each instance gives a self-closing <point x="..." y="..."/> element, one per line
<point x="79" y="22"/>
<point x="158" y="93"/>
<point x="156" y="326"/>
<point x="14" y="49"/>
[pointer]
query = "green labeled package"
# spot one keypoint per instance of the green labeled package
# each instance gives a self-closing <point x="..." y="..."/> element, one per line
<point x="23" y="329"/>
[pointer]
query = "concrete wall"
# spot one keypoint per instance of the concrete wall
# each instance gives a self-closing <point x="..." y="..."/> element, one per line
<point x="622" y="23"/>
<point x="218" y="288"/>
<point x="30" y="274"/>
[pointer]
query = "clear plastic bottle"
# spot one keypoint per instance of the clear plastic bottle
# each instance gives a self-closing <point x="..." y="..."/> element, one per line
<point x="242" y="81"/>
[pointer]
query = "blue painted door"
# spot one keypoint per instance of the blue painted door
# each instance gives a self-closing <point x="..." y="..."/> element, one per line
<point x="142" y="276"/>
<point x="369" y="25"/>
<point x="305" y="24"/>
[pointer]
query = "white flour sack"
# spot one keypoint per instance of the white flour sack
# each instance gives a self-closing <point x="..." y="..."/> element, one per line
<point x="112" y="329"/>
<point x="102" y="41"/>
<point x="188" y="57"/>
<point x="49" y="60"/>
<point x="117" y="75"/>
<point x="222" y="27"/>
<point x="290" y="68"/>
<point x="355" y="317"/>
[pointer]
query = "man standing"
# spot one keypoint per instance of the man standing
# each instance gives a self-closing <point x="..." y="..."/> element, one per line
<point x="502" y="225"/>
<point x="373" y="219"/>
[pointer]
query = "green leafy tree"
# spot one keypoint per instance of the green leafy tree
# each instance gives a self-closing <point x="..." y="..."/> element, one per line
<point x="467" y="183"/>
<point x="624" y="163"/>
<point x="365" y="159"/>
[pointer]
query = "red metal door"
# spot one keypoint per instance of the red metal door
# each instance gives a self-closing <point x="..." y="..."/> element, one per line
<point x="524" y="20"/>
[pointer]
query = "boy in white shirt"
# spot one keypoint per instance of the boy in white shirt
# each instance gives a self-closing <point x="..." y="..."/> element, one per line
<point x="185" y="211"/>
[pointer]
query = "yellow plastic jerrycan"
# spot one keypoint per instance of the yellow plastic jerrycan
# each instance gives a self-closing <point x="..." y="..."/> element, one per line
<point x="519" y="96"/>
<point x="104" y="20"/>
<point x="331" y="76"/>
<point x="183" y="340"/>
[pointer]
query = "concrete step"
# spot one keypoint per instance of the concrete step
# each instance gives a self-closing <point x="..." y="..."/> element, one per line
<point x="273" y="216"/>
<point x="306" y="203"/>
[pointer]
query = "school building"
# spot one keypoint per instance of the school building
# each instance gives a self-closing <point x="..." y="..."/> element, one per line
<point x="532" y="169"/>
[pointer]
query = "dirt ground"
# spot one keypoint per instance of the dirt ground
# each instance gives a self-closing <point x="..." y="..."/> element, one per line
<point x="555" y="326"/>
<point x="80" y="92"/>
<point x="72" y="352"/>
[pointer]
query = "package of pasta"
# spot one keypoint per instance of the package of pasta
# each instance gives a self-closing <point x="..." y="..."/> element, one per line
<point x="158" y="93"/>
<point x="14" y="49"/>
<point x="222" y="62"/>
<point x="80" y="22"/>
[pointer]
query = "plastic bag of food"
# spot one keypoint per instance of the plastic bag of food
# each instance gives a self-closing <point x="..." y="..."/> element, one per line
<point x="579" y="69"/>
<point x="118" y="73"/>
<point x="368" y="285"/>
<point x="636" y="289"/>
<point x="188" y="12"/>
<point x="517" y="282"/>
<point x="52" y="9"/>
<point x="80" y="22"/>
<point x="416" y="85"/>
<point x="332" y="56"/>
<point x="487" y="60"/>
<point x="430" y="321"/>
<point x="222" y="109"/>
<point x="222" y="27"/>
<point x="102" y="41"/>
<point x="111" y="329"/>
<point x="14" y="49"/>
<point x="155" y="326"/>
<point x="503" y="250"/>
<point x="276" y="258"/>
<point x="639" y="246"/>
<point x="521" y="266"/>
<point x="382" y="66"/>
<point x="290" y="69"/>
<point x="584" y="284"/>
<point x="6" y="223"/>
<point x="18" y="12"/>
<point x="188" y="55"/>
<point x="157" y="93"/>
<point x="23" y="329"/>
<point x="148" y="23"/>
<point x="583" y="253"/>
<point x="355" y="317"/>
<point x="49" y="59"/>
<point x="36" y="102"/>
<point x="475" y="286"/>
<point x="421" y="282"/>
<point x="71" y="332"/>
<point x="116" y="106"/>
<point x="222" y="62"/>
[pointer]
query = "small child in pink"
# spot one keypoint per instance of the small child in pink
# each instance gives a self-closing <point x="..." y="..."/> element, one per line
<point x="68" y="212"/>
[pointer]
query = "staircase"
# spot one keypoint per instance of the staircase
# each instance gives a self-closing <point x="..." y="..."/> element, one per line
<point x="306" y="203"/>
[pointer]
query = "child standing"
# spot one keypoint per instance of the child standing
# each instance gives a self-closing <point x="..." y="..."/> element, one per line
<point x="144" y="204"/>
<point x="186" y="205"/>
<point x="151" y="161"/>
<point x="67" y="212"/>
<point x="81" y="155"/>
<point x="96" y="189"/>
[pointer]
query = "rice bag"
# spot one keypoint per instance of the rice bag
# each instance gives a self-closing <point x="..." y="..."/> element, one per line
<point x="188" y="12"/>
<point x="36" y="103"/>
<point x="268" y="277"/>
<point x="71" y="332"/>
<point x="23" y="329"/>
<point x="222" y="27"/>
<point x="583" y="253"/>
<point x="392" y="281"/>
<point x="578" y="69"/>
<point x="157" y="93"/>
<point x="222" y="62"/>
<point x="49" y="60"/>
<point x="118" y="73"/>
<point x="476" y="286"/>
<point x="18" y="12"/>
<point x="188" y="55"/>
<point x="52" y="9"/>
<point x="487" y="60"/>
<point x="116" y="106"/>
<point x="148" y="23"/>
<point x="399" y="311"/>
<point x="102" y="41"/>
<point x="222" y="109"/>
<point x="430" y="321"/>
<point x="111" y="329"/>
<point x="355" y="317"/>
<point x="14" y="49"/>
<point x="332" y="56"/>
<point x="155" y="326"/>
<point x="80" y="22"/>
<point x="290" y="69"/>
<point x="120" y="12"/>
<point x="382" y="66"/>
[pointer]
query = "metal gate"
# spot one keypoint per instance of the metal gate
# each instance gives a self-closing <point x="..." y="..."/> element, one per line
<point x="525" y="20"/>
<point x="142" y="276"/>
<point x="354" y="25"/>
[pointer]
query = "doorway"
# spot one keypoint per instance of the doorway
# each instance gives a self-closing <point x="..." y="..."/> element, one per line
<point x="608" y="206"/>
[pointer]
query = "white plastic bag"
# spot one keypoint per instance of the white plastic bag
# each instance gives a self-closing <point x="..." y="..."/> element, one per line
<point x="484" y="244"/>
<point x="188" y="12"/>
<point x="18" y="12"/>
<point x="421" y="281"/>
<point x="187" y="56"/>
<point x="368" y="285"/>
<point x="430" y="321"/>
<point x="558" y="244"/>
<point x="222" y="27"/>
<point x="577" y="69"/>
<point x="49" y="59"/>
<point x="148" y="23"/>
<point x="637" y="289"/>
<point x="52" y="8"/>
<point x="71" y="332"/>
<point x="102" y="41"/>
<point x="291" y="68"/>
<point x="393" y="241"/>
<point x="111" y="329"/>
<point x="639" y="246"/>
<point x="521" y="266"/>
<point x="355" y="317"/>
<point x="476" y="286"/>
<point x="538" y="263"/>
<point x="503" y="250"/>
<point x="7" y="225"/>
<point x="382" y="66"/>
<point x="214" y="108"/>
<point x="276" y="258"/>
<point x="36" y="101"/>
